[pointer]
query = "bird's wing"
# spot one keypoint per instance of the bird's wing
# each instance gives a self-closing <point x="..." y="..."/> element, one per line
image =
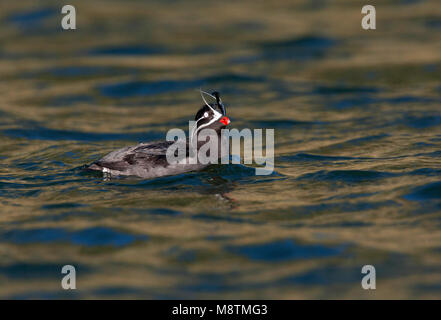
<point x="144" y="155"/>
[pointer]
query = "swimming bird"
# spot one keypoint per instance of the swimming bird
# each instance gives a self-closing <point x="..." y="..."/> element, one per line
<point x="149" y="159"/>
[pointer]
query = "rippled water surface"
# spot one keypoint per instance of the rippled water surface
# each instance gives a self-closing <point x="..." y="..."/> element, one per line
<point x="357" y="161"/>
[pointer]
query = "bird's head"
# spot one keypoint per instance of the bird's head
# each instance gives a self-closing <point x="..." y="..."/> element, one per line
<point x="212" y="115"/>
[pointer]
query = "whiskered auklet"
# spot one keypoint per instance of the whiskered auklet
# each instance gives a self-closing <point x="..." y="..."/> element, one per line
<point x="149" y="159"/>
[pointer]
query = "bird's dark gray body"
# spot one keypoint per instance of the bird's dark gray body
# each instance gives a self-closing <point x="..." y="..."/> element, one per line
<point x="145" y="160"/>
<point x="149" y="160"/>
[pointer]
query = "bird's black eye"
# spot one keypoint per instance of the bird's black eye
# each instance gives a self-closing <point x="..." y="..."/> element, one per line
<point x="206" y="115"/>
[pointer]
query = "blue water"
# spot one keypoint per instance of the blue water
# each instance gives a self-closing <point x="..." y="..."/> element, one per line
<point x="357" y="175"/>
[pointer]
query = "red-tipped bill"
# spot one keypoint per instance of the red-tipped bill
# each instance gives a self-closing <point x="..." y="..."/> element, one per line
<point x="225" y="120"/>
